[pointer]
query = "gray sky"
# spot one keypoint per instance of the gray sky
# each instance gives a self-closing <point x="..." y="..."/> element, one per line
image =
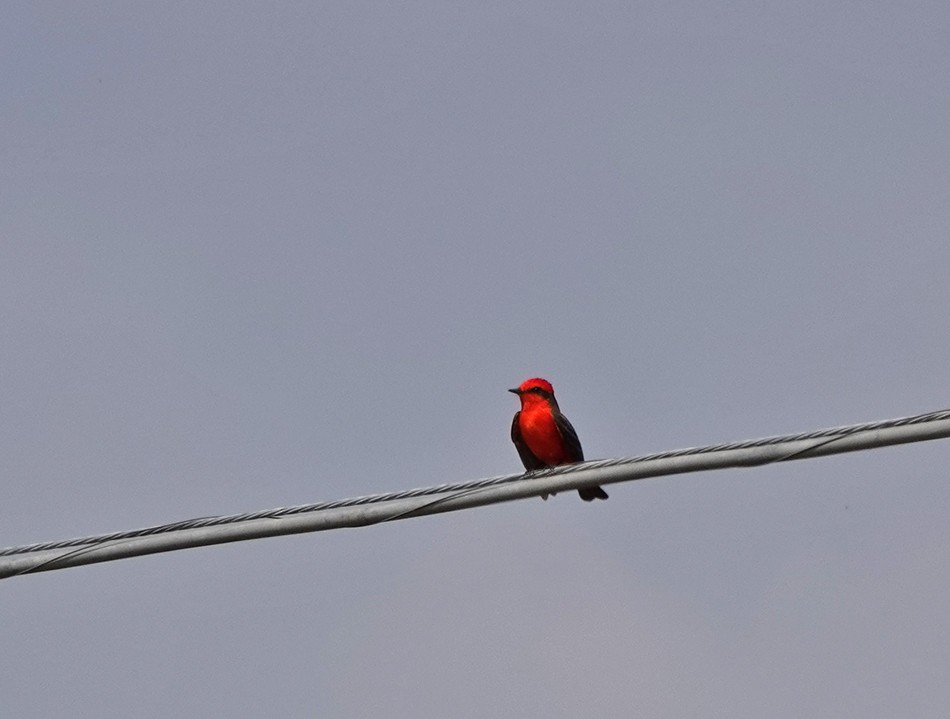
<point x="253" y="256"/>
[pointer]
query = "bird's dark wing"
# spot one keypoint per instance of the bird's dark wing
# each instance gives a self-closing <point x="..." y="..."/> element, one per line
<point x="527" y="457"/>
<point x="569" y="436"/>
<point x="573" y="445"/>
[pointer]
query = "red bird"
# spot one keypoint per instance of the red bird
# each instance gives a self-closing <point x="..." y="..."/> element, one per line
<point x="543" y="436"/>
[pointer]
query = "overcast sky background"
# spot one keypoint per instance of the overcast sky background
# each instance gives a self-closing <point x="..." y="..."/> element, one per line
<point x="257" y="254"/>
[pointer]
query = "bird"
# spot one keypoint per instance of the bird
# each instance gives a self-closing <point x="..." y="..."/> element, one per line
<point x="543" y="436"/>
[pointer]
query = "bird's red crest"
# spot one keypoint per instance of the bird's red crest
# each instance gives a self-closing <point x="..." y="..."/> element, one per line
<point x="536" y="383"/>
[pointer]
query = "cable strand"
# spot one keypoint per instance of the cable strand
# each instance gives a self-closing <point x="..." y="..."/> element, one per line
<point x="444" y="492"/>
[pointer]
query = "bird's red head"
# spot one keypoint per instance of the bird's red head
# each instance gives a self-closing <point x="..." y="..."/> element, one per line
<point x="534" y="392"/>
<point x="536" y="383"/>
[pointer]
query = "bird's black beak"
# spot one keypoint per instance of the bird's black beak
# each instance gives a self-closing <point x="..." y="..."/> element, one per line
<point x="516" y="391"/>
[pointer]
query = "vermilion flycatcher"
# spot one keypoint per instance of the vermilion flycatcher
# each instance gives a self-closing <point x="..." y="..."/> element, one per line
<point x="543" y="436"/>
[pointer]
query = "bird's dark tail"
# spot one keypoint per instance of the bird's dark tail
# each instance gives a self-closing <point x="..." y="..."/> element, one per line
<point x="589" y="494"/>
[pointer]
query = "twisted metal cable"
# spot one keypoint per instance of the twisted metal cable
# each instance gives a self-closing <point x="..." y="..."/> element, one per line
<point x="373" y="509"/>
<point x="261" y="514"/>
<point x="443" y="491"/>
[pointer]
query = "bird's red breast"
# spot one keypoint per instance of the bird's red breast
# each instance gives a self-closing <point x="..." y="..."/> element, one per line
<point x="540" y="432"/>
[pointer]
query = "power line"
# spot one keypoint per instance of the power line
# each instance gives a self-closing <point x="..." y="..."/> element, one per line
<point x="373" y="509"/>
